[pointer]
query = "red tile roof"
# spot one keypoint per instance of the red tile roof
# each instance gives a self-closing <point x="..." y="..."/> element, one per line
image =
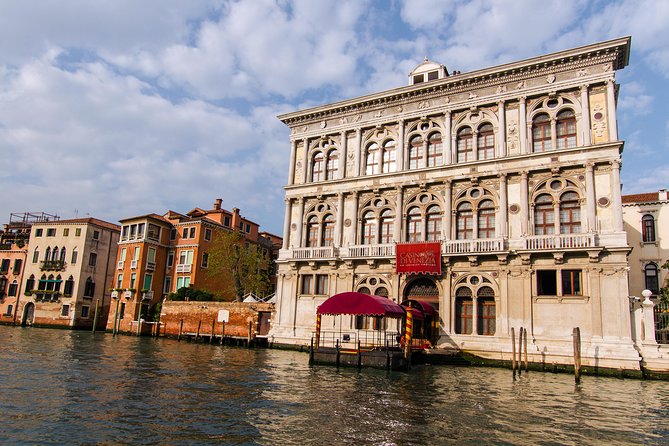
<point x="640" y="198"/>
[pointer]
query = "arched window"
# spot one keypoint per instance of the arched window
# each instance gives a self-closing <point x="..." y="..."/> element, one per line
<point x="50" y="283"/>
<point x="465" y="146"/>
<point x="63" y="253"/>
<point x="30" y="283"/>
<point x="54" y="254"/>
<point x="433" y="223"/>
<point x="434" y="150"/>
<point x="648" y="228"/>
<point x="317" y="167"/>
<point x="414" y="225"/>
<point x="544" y="215"/>
<point x="652" y="282"/>
<point x="36" y="255"/>
<point x="368" y="228"/>
<point x="463" y="311"/>
<point x="42" y="282"/>
<point x="381" y="291"/>
<point x="485" y="306"/>
<point x="332" y="165"/>
<point x="364" y="290"/>
<point x="486" y="142"/>
<point x="416" y="153"/>
<point x="464" y="229"/>
<point x="566" y="129"/>
<point x="13" y="288"/>
<point x="69" y="286"/>
<point x="387" y="223"/>
<point x="89" y="289"/>
<point x="312" y="231"/>
<point x="541" y="133"/>
<point x="486" y="219"/>
<point x="570" y="213"/>
<point x="372" y="165"/>
<point x="57" y="283"/>
<point x="389" y="157"/>
<point x="327" y="238"/>
<point x="47" y="254"/>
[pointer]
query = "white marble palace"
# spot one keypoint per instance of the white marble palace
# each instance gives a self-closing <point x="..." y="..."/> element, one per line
<point x="513" y="170"/>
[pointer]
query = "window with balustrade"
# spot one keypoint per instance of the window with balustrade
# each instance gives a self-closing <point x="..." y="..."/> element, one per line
<point x="424" y="217"/>
<point x="565" y="129"/>
<point x="464" y="228"/>
<point x="414" y="225"/>
<point x="557" y="199"/>
<point x="435" y="154"/>
<point x="386" y="226"/>
<point x="433" y="223"/>
<point x="570" y="213"/>
<point x="416" y="151"/>
<point x="317" y="167"/>
<point x="327" y="236"/>
<point x="541" y="133"/>
<point x="554" y="123"/>
<point x="485" y="142"/>
<point x="389" y="157"/>
<point x="312" y="232"/>
<point x="324" y="160"/>
<point x="332" y="165"/>
<point x="544" y="215"/>
<point x="486" y="219"/>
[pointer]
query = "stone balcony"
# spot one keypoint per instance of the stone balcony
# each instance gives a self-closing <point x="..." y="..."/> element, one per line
<point x="559" y="242"/>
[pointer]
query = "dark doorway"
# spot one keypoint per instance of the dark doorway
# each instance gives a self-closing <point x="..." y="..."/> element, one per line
<point x="28" y="314"/>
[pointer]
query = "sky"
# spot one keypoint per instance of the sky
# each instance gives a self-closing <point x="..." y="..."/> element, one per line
<point x="118" y="108"/>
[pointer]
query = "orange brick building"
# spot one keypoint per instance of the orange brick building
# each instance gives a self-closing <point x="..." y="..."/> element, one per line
<point x="159" y="254"/>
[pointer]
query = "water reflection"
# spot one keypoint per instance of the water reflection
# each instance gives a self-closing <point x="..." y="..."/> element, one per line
<point x="72" y="387"/>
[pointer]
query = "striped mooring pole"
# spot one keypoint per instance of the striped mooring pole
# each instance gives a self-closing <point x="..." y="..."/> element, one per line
<point x="408" y="334"/>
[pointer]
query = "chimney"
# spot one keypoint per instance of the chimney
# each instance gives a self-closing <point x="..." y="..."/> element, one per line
<point x="662" y="195"/>
<point x="217" y="204"/>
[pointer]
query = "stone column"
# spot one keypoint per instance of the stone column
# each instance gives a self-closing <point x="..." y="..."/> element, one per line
<point x="286" y="225"/>
<point x="340" y="219"/>
<point x="648" y="319"/>
<point x="344" y="155"/>
<point x="399" y="209"/>
<point x="354" y="218"/>
<point x="305" y="157"/>
<point x="447" y="138"/>
<point x="502" y="129"/>
<point x="617" y="199"/>
<point x="475" y="145"/>
<point x="524" y="204"/>
<point x="524" y="149"/>
<point x="553" y="134"/>
<point x="300" y="223"/>
<point x="448" y="210"/>
<point x="293" y="154"/>
<point x="425" y="144"/>
<point x="611" y="106"/>
<point x="359" y="163"/>
<point x="590" y="204"/>
<point x="400" y="145"/>
<point x="585" y="115"/>
<point x="503" y="207"/>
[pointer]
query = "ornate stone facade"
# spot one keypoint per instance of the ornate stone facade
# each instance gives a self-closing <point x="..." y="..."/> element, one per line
<point x="505" y="167"/>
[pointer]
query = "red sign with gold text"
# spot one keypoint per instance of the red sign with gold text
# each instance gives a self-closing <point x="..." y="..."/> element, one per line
<point x="418" y="258"/>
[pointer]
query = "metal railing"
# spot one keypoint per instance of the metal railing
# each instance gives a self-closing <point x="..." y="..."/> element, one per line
<point x="661" y="313"/>
<point x="369" y="339"/>
<point x="472" y="246"/>
<point x="325" y="252"/>
<point x="369" y="251"/>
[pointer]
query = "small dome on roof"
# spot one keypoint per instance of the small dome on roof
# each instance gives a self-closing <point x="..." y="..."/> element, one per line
<point x="427" y="71"/>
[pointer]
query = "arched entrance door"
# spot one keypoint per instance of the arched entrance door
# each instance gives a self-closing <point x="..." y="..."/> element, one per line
<point x="425" y="290"/>
<point x="28" y="314"/>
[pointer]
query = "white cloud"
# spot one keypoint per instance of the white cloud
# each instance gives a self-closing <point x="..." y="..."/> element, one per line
<point x="634" y="99"/>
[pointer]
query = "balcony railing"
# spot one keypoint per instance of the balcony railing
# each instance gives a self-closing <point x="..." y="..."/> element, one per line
<point x="472" y="246"/>
<point x="147" y="295"/>
<point x="183" y="268"/>
<point x="367" y="251"/>
<point x="53" y="265"/>
<point x="326" y="252"/>
<point x="559" y="241"/>
<point x="120" y="264"/>
<point x="150" y="266"/>
<point x="133" y="264"/>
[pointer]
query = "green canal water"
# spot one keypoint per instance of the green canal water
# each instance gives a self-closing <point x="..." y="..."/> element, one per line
<point x="63" y="387"/>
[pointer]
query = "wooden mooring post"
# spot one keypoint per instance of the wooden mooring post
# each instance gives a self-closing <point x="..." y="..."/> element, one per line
<point x="337" y="347"/>
<point x="181" y="329"/>
<point x="513" y="348"/>
<point x="250" y="335"/>
<point x="525" y="349"/>
<point x="213" y="327"/>
<point x="311" y="351"/>
<point x="577" y="354"/>
<point x="222" y="332"/>
<point x="520" y="349"/>
<point x="197" y="335"/>
<point x="95" y="317"/>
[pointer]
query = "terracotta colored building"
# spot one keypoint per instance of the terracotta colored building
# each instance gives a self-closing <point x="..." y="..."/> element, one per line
<point x="159" y="254"/>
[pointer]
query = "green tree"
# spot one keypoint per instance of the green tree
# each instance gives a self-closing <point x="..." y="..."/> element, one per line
<point x="237" y="267"/>
<point x="187" y="293"/>
<point x="664" y="290"/>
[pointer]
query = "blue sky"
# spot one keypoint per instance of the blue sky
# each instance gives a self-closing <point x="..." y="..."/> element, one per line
<point x="120" y="108"/>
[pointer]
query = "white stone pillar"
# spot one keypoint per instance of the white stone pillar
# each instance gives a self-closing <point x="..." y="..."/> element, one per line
<point x="524" y="204"/>
<point x="339" y="229"/>
<point x="344" y="155"/>
<point x="286" y="225"/>
<point x="425" y="144"/>
<point x="648" y="319"/>
<point x="502" y="129"/>
<point x="616" y="196"/>
<point x="611" y="106"/>
<point x="293" y="154"/>
<point x="448" y="210"/>
<point x="354" y="219"/>
<point x="359" y="163"/>
<point x="524" y="149"/>
<point x="590" y="204"/>
<point x="503" y="207"/>
<point x="447" y="138"/>
<point x="585" y="115"/>
<point x="475" y="145"/>
<point x="400" y="145"/>
<point x="305" y="157"/>
<point x="399" y="209"/>
<point x="300" y="223"/>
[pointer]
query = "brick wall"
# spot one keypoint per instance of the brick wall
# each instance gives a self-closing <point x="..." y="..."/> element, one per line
<point x="193" y="312"/>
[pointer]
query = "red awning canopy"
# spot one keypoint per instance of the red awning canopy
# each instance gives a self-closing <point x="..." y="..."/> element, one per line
<point x="425" y="307"/>
<point x="360" y="304"/>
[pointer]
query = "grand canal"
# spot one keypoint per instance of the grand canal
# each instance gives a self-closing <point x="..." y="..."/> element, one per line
<point x="63" y="387"/>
